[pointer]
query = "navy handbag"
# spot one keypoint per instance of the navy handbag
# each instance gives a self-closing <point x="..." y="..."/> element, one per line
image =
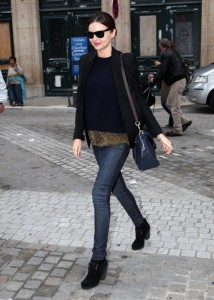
<point x="144" y="153"/>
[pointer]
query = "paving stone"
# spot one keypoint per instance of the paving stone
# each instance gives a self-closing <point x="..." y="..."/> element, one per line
<point x="4" y="279"/>
<point x="52" y="260"/>
<point x="6" y="295"/>
<point x="65" y="264"/>
<point x="197" y="285"/>
<point x="210" y="290"/>
<point x="9" y="271"/>
<point x="39" y="275"/>
<point x="11" y="251"/>
<point x="46" y="291"/>
<point x="46" y="267"/>
<point x="35" y="261"/>
<point x="195" y="295"/>
<point x="26" y="254"/>
<point x="76" y="274"/>
<point x="14" y="286"/>
<point x="24" y="294"/>
<point x="59" y="295"/>
<point x="32" y="284"/>
<point x="156" y="293"/>
<point x="53" y="281"/>
<point x="58" y="272"/>
<point x="16" y="263"/>
<point x="67" y="288"/>
<point x="172" y="296"/>
<point x="178" y="288"/>
<point x="41" y="253"/>
<point x="21" y="276"/>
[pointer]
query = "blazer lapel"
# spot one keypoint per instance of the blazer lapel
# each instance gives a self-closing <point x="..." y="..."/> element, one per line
<point x="116" y="69"/>
<point x="87" y="65"/>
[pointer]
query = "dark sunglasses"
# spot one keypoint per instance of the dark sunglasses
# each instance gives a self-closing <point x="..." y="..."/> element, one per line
<point x="99" y="34"/>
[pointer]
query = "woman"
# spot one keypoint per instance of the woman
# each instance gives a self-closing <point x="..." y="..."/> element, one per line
<point x="16" y="83"/>
<point x="104" y="113"/>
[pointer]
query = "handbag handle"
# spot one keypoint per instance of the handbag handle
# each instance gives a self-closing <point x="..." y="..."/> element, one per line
<point x="137" y="122"/>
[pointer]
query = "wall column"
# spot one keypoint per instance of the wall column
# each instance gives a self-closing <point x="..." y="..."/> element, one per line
<point x="207" y="32"/>
<point x="123" y="23"/>
<point x="27" y="43"/>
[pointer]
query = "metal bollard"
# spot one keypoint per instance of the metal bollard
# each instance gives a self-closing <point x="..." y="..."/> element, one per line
<point x="74" y="89"/>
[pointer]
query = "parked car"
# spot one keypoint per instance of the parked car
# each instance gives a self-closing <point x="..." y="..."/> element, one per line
<point x="200" y="88"/>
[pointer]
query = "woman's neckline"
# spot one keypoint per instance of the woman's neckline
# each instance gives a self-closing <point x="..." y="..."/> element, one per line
<point x="101" y="57"/>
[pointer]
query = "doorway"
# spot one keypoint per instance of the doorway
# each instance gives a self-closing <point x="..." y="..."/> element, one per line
<point x="179" y="23"/>
<point x="57" y="29"/>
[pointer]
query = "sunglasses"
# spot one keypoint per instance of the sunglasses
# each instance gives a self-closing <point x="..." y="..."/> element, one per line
<point x="99" y="34"/>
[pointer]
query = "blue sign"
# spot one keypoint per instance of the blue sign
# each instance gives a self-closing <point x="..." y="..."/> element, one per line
<point x="79" y="46"/>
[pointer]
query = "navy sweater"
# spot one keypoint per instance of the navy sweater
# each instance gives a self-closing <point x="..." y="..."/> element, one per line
<point x="102" y="112"/>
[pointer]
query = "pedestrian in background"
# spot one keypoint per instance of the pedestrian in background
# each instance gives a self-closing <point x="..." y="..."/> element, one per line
<point x="3" y="93"/>
<point x="173" y="73"/>
<point x="15" y="83"/>
<point x="104" y="114"/>
<point x="164" y="90"/>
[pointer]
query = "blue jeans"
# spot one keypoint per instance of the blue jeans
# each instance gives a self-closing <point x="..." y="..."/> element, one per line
<point x="110" y="180"/>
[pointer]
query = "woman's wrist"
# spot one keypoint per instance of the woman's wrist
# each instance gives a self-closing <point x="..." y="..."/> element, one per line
<point x="160" y="136"/>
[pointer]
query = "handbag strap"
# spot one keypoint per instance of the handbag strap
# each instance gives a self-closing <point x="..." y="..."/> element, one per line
<point x="137" y="122"/>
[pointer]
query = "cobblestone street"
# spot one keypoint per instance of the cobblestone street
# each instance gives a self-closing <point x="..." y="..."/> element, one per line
<point x="46" y="223"/>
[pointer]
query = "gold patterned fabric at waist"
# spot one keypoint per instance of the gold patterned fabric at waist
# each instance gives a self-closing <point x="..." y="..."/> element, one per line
<point x="99" y="138"/>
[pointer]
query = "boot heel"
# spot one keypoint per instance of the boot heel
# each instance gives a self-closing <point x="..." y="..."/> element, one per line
<point x="103" y="276"/>
<point x="147" y="236"/>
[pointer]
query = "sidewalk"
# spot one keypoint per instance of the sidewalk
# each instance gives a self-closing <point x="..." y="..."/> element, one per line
<point x="59" y="101"/>
<point x="46" y="221"/>
<point x="56" y="101"/>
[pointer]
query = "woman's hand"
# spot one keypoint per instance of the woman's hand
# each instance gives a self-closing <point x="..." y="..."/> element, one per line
<point x="77" y="143"/>
<point x="157" y="63"/>
<point x="167" y="145"/>
<point x="151" y="77"/>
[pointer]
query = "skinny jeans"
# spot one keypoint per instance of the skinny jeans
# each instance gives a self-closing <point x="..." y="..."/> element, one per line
<point x="109" y="180"/>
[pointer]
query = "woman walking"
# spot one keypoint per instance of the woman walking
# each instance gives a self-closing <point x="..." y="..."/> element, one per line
<point x="104" y="114"/>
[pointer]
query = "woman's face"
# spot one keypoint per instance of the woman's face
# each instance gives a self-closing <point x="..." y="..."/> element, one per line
<point x="12" y="62"/>
<point x="103" y="43"/>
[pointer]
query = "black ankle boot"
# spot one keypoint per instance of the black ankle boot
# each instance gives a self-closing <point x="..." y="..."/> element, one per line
<point x="96" y="271"/>
<point x="142" y="233"/>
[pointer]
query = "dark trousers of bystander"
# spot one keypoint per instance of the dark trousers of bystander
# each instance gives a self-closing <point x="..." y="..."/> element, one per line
<point x="17" y="94"/>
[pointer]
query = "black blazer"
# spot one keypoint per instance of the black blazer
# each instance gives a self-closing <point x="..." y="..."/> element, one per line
<point x="145" y="115"/>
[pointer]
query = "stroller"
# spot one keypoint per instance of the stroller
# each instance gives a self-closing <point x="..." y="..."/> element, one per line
<point x="146" y="88"/>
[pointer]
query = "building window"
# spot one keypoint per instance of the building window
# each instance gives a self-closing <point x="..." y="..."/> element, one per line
<point x="5" y="49"/>
<point x="148" y="39"/>
<point x="184" y="33"/>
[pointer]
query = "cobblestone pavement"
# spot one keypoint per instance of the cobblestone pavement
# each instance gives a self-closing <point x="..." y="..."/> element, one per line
<point x="46" y="223"/>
